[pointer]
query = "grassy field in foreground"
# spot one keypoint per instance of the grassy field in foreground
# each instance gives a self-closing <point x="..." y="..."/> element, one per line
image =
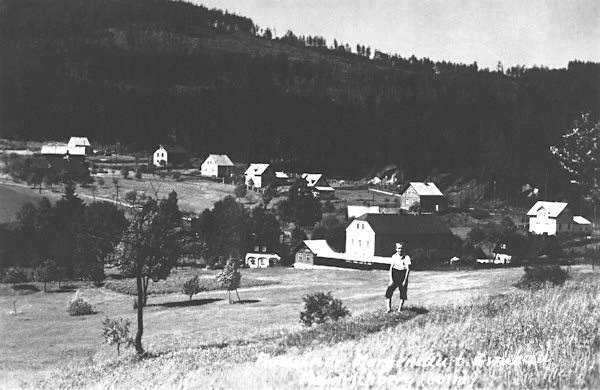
<point x="42" y="336"/>
<point x="544" y="339"/>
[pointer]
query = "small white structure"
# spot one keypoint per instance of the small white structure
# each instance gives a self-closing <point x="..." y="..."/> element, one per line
<point x="502" y="254"/>
<point x="550" y="218"/>
<point x="261" y="259"/>
<point x="581" y="224"/>
<point x="217" y="165"/>
<point x="357" y="211"/>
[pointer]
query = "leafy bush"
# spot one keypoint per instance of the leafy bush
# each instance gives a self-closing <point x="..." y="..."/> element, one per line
<point x="193" y="286"/>
<point x="176" y="175"/>
<point x="138" y="174"/>
<point x="537" y="276"/>
<point x="320" y="307"/>
<point x="77" y="306"/>
<point x="46" y="272"/>
<point x="116" y="332"/>
<point x="100" y="181"/>
<point x="125" y="172"/>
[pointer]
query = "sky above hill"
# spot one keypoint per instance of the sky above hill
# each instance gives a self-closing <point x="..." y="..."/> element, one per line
<point x="516" y="32"/>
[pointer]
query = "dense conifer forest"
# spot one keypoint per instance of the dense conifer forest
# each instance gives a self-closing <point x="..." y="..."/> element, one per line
<point x="144" y="72"/>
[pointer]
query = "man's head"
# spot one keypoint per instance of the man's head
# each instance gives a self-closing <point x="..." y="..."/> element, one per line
<point x="399" y="247"/>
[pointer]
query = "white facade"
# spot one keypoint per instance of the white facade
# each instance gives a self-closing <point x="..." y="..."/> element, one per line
<point x="261" y="260"/>
<point x="255" y="173"/>
<point x="360" y="239"/>
<point x="550" y="218"/>
<point x="210" y="166"/>
<point x="161" y="154"/>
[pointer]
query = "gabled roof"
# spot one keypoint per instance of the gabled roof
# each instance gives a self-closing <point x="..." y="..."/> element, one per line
<point x="78" y="141"/>
<point x="579" y="220"/>
<point x="480" y="253"/>
<point x="405" y="224"/>
<point x="318" y="247"/>
<point x="175" y="149"/>
<point x="221" y="160"/>
<point x="281" y="175"/>
<point x="311" y="178"/>
<point x="554" y="208"/>
<point x="257" y="169"/>
<point x="425" y="188"/>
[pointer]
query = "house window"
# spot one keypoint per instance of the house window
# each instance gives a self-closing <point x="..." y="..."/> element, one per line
<point x="363" y="226"/>
<point x="353" y="241"/>
<point x="256" y="248"/>
<point x="300" y="256"/>
<point x="560" y="226"/>
<point x="367" y="244"/>
<point x="358" y="242"/>
<point x="358" y="225"/>
<point x="264" y="249"/>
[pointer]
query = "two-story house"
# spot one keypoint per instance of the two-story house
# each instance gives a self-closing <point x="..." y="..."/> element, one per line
<point x="169" y="155"/>
<point x="259" y="175"/>
<point x="217" y="165"/>
<point x="550" y="218"/>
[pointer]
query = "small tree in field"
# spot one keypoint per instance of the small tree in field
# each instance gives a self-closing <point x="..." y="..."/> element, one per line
<point x="240" y="190"/>
<point x="149" y="248"/>
<point x="192" y="287"/>
<point x="125" y="172"/>
<point x="46" y="272"/>
<point x="116" y="332"/>
<point x="229" y="279"/>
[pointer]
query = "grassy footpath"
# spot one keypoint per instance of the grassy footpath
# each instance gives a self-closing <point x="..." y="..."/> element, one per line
<point x="549" y="338"/>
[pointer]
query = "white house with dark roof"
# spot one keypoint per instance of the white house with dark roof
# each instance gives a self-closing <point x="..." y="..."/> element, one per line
<point x="168" y="155"/>
<point x="259" y="175"/>
<point x="217" y="165"/>
<point x="550" y="218"/>
<point x="426" y="194"/>
<point x="319" y="186"/>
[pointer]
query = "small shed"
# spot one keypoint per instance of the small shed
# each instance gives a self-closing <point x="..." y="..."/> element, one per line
<point x="581" y="224"/>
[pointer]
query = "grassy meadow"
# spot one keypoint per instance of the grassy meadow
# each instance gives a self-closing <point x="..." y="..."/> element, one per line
<point x="474" y="315"/>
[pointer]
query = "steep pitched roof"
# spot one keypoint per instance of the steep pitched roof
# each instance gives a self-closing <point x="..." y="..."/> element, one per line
<point x="425" y="188"/>
<point x="221" y="160"/>
<point x="175" y="149"/>
<point x="257" y="169"/>
<point x="405" y="224"/>
<point x="578" y="219"/>
<point x="554" y="208"/>
<point x="318" y="247"/>
<point x="311" y="178"/>
<point x="78" y="141"/>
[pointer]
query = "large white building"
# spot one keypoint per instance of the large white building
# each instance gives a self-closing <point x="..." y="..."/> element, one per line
<point x="550" y="218"/>
<point x="217" y="165"/>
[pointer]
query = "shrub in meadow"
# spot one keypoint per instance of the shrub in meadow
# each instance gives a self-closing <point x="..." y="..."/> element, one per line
<point x="116" y="332"/>
<point x="321" y="307"/>
<point x="77" y="306"/>
<point x="538" y="276"/>
<point x="193" y="286"/>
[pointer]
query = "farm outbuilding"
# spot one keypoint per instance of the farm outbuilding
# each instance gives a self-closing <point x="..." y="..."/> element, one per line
<point x="217" y="165"/>
<point x="169" y="155"/>
<point x="424" y="194"/>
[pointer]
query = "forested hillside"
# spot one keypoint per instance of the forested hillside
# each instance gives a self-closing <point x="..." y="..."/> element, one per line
<point x="143" y="72"/>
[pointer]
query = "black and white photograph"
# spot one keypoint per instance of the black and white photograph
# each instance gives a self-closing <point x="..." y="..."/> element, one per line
<point x="299" y="194"/>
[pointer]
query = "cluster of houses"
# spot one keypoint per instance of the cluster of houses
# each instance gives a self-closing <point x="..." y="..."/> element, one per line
<point x="370" y="237"/>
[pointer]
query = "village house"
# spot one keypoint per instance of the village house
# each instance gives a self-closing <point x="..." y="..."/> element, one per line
<point x="426" y="195"/>
<point x="259" y="175"/>
<point x="309" y="253"/>
<point x="550" y="218"/>
<point x="319" y="186"/>
<point x="76" y="149"/>
<point x="169" y="155"/>
<point x="581" y="224"/>
<point x="376" y="234"/>
<point x="217" y="165"/>
<point x="261" y="258"/>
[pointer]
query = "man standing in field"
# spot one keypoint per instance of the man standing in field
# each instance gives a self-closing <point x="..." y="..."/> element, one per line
<point x="399" y="270"/>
